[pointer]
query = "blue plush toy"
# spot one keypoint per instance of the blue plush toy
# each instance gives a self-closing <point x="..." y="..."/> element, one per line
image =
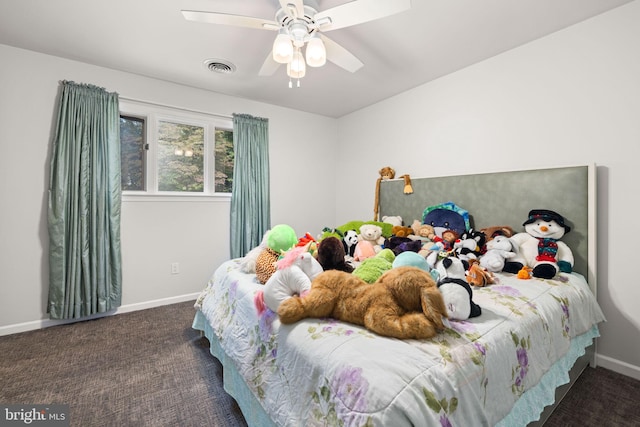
<point x="412" y="259"/>
<point x="446" y="216"/>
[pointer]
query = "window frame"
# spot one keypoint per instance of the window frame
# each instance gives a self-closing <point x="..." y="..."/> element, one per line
<point x="152" y="114"/>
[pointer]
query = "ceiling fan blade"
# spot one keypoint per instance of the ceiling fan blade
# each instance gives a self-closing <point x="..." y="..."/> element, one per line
<point x="293" y="6"/>
<point x="228" y="19"/>
<point x="358" y="12"/>
<point x="269" y="66"/>
<point x="340" y="56"/>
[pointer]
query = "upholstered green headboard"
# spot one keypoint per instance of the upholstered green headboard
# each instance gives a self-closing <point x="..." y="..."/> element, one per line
<point x="505" y="198"/>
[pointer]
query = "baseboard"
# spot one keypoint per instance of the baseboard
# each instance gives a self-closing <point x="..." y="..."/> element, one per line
<point x="45" y="323"/>
<point x="618" y="366"/>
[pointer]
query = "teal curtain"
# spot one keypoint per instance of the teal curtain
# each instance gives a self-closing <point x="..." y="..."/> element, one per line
<point x="250" y="199"/>
<point x="85" y="267"/>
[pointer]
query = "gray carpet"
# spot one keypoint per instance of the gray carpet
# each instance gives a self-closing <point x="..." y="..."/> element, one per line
<point x="145" y="368"/>
<point x="599" y="397"/>
<point x="149" y="368"/>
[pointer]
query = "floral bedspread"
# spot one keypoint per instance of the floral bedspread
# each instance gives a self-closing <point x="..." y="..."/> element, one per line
<point x="321" y="372"/>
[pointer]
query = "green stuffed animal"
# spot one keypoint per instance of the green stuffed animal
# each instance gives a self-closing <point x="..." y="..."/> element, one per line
<point x="341" y="230"/>
<point x="372" y="268"/>
<point x="281" y="238"/>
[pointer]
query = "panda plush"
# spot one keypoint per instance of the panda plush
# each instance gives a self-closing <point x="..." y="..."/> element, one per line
<point x="349" y="241"/>
<point x="456" y="292"/>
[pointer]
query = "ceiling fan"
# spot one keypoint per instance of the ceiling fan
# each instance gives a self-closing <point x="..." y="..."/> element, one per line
<point x="300" y="23"/>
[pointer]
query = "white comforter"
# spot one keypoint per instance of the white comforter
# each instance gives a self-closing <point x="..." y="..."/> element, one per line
<point x="322" y="372"/>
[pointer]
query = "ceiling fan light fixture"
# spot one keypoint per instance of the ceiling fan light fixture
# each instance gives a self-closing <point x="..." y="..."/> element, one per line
<point x="297" y="68"/>
<point x="299" y="33"/>
<point x="282" y="48"/>
<point x="316" y="53"/>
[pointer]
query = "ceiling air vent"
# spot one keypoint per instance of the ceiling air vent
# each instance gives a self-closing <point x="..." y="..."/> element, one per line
<point x="220" y="66"/>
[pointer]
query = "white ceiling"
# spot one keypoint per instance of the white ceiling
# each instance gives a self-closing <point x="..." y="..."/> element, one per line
<point x="151" y="38"/>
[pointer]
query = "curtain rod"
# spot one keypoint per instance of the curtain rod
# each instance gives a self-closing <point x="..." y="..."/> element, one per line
<point x="190" y="110"/>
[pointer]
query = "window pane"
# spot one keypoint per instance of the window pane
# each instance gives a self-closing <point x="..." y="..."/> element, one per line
<point x="224" y="161"/>
<point x="180" y="157"/>
<point x="132" y="153"/>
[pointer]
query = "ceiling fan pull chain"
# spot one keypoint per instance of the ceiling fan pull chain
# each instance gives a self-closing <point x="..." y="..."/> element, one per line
<point x="291" y="83"/>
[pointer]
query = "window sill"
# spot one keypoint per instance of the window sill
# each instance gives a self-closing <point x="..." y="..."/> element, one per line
<point x="179" y="198"/>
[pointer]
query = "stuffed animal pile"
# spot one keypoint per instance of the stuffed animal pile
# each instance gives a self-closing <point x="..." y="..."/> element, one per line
<point x="402" y="285"/>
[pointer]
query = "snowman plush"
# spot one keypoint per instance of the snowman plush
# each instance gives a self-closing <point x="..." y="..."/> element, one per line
<point x="540" y="247"/>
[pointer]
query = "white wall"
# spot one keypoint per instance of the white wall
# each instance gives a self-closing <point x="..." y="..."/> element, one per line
<point x="154" y="234"/>
<point x="570" y="98"/>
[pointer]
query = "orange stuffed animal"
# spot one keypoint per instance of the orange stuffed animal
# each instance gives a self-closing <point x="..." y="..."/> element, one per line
<point x="385" y="173"/>
<point x="401" y="231"/>
<point x="477" y="275"/>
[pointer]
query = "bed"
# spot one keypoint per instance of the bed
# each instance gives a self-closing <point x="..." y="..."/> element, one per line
<point x="507" y="367"/>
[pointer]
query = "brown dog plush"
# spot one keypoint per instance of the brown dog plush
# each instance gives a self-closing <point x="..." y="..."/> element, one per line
<point x="403" y="303"/>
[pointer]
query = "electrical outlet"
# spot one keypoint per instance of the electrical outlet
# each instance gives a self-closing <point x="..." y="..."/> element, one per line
<point x="175" y="268"/>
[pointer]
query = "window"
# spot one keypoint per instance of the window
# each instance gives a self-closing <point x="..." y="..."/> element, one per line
<point x="167" y="151"/>
<point x="132" y="153"/>
<point x="180" y="157"/>
<point x="224" y="161"/>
